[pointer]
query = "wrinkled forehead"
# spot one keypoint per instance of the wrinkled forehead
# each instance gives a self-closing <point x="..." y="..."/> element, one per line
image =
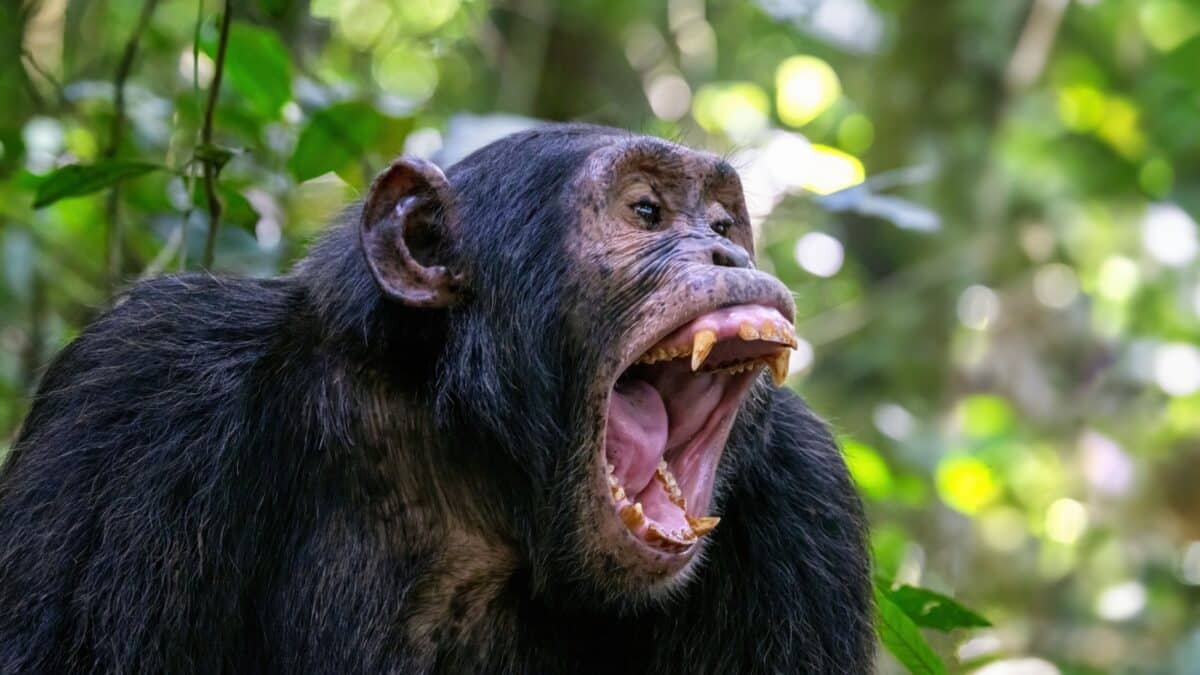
<point x="672" y="167"/>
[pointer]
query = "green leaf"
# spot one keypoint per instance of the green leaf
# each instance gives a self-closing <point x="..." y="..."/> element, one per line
<point x="237" y="209"/>
<point x="334" y="137"/>
<point x="257" y="66"/>
<point x="934" y="610"/>
<point x="903" y="639"/>
<point x="74" y="180"/>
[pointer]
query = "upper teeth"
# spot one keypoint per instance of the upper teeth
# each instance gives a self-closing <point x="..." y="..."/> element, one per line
<point x="704" y="341"/>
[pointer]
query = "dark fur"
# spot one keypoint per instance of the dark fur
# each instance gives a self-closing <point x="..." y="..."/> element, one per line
<point x="247" y="476"/>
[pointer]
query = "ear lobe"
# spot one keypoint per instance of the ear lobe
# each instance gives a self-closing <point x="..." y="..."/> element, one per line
<point x="404" y="232"/>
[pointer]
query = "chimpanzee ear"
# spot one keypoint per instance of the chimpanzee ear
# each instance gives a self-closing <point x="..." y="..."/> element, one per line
<point x="406" y="224"/>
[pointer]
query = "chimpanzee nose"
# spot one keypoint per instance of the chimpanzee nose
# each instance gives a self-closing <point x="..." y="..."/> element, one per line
<point x="728" y="254"/>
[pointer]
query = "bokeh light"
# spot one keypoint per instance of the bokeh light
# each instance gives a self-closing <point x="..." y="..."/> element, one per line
<point x="738" y="109"/>
<point x="1121" y="602"/>
<point x="820" y="254"/>
<point x="1066" y="521"/>
<point x="669" y="95"/>
<point x="1177" y="368"/>
<point x="978" y="307"/>
<point x="1169" y="235"/>
<point x="966" y="483"/>
<point x="805" y="87"/>
<point x="1055" y="285"/>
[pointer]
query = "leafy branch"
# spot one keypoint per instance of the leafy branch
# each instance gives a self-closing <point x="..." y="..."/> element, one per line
<point x="212" y="157"/>
<point x="114" y="240"/>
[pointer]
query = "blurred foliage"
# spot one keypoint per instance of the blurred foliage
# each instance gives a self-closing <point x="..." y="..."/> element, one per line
<point x="986" y="211"/>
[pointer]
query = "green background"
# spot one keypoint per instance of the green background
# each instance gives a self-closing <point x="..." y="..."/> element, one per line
<point x="986" y="210"/>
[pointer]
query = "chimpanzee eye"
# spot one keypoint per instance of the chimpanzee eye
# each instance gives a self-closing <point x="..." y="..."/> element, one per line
<point x="648" y="211"/>
<point x="722" y="227"/>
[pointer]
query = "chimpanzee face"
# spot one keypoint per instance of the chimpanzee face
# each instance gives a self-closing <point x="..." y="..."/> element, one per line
<point x="665" y="269"/>
<point x="614" y="274"/>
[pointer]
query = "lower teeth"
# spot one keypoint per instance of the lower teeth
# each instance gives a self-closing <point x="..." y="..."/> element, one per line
<point x="634" y="516"/>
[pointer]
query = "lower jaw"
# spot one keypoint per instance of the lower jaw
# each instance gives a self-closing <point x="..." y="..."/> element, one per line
<point x="675" y="541"/>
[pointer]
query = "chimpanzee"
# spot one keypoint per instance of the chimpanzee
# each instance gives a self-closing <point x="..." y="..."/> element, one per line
<point x="520" y="417"/>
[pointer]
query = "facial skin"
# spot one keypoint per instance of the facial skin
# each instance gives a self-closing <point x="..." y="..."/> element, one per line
<point x="663" y="245"/>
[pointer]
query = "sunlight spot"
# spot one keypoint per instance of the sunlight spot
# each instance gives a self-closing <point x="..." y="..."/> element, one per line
<point x="423" y="143"/>
<point x="739" y="109"/>
<point x="43" y="138"/>
<point x="1105" y="465"/>
<point x="204" y="68"/>
<point x="1118" y="278"/>
<point x="1169" y="234"/>
<point x="362" y="22"/>
<point x="801" y="358"/>
<point x="979" y="646"/>
<point x="697" y="45"/>
<point x="644" y="46"/>
<point x="829" y="170"/>
<point x="805" y="87"/>
<point x="1177" y="368"/>
<point x="407" y="71"/>
<point x="1055" y="285"/>
<point x="1038" y="242"/>
<point x="893" y="421"/>
<point x="819" y="254"/>
<point x="966" y="484"/>
<point x="978" y="307"/>
<point x="417" y="17"/>
<point x="1066" y="521"/>
<point x="669" y="95"/>
<point x="1121" y="602"/>
<point x="1021" y="666"/>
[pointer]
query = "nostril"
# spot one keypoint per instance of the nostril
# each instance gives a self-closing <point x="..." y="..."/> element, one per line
<point x="727" y="256"/>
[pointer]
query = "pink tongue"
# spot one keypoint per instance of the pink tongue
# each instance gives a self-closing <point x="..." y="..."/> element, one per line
<point x="637" y="433"/>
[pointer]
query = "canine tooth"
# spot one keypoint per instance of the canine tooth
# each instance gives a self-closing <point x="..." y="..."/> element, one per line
<point x="609" y="468"/>
<point x="612" y="481"/>
<point x="788" y="332"/>
<point x="747" y="332"/>
<point x="618" y="493"/>
<point x="632" y="515"/>
<point x="702" y="525"/>
<point x="662" y="465"/>
<point x="702" y="344"/>
<point x="779" y="367"/>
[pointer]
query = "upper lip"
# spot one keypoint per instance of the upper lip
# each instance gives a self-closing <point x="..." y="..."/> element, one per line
<point x="769" y="292"/>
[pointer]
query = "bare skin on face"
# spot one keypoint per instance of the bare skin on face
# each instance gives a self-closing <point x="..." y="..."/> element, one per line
<point x="665" y="241"/>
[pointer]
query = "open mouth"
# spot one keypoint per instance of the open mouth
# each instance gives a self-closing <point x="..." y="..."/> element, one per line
<point x="669" y="416"/>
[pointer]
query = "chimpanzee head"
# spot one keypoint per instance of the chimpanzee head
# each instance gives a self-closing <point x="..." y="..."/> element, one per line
<point x="604" y="326"/>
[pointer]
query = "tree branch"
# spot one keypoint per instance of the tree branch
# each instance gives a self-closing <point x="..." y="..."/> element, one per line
<point x="116" y="132"/>
<point x="211" y="168"/>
